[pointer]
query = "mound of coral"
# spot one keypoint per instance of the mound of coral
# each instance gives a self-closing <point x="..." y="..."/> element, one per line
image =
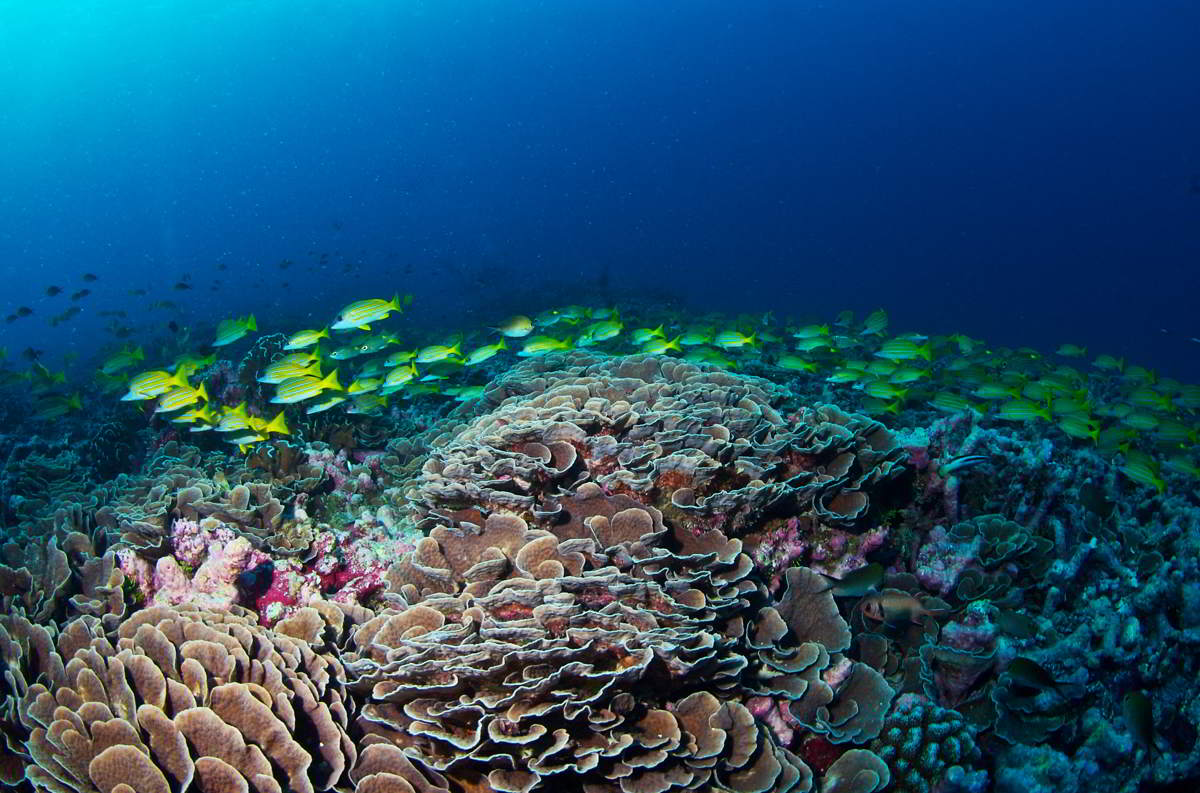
<point x="608" y="574"/>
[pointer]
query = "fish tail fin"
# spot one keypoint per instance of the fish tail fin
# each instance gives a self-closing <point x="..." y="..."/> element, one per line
<point x="202" y="392"/>
<point x="502" y="345"/>
<point x="278" y="425"/>
<point x="926" y="351"/>
<point x="251" y="323"/>
<point x="138" y="353"/>
<point x="331" y="382"/>
<point x="395" y="303"/>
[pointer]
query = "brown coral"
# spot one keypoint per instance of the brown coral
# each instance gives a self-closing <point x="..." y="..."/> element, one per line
<point x="582" y="580"/>
<point x="181" y="697"/>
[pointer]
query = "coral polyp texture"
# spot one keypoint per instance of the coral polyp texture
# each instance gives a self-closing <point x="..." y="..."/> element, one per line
<point x="602" y="574"/>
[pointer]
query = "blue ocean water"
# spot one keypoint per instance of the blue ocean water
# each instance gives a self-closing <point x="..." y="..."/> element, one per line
<point x="1028" y="176"/>
<point x="770" y="307"/>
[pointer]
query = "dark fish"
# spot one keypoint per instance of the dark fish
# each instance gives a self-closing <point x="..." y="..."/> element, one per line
<point x="1014" y="623"/>
<point x="11" y="318"/>
<point x="255" y="582"/>
<point x="81" y="294"/>
<point x="64" y="316"/>
<point x="1139" y="719"/>
<point x="1032" y="674"/>
<point x="222" y="266"/>
<point x="858" y="582"/>
<point x="961" y="463"/>
<point x="173" y="326"/>
<point x="31" y="354"/>
<point x="137" y="292"/>
<point x="51" y="291"/>
<point x="183" y="285"/>
<point x="89" y="277"/>
<point x="894" y="608"/>
<point x="24" y="311"/>
<point x="286" y="263"/>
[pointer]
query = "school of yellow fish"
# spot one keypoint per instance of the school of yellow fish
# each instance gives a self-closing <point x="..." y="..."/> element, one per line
<point x="1148" y="425"/>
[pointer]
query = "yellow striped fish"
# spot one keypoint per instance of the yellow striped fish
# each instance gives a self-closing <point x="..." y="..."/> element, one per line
<point x="362" y="313"/>
<point x="299" y="389"/>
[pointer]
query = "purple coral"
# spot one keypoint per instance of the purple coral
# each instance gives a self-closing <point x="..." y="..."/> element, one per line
<point x="940" y="560"/>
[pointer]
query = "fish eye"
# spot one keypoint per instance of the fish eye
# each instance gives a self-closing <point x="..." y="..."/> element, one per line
<point x="362" y="347"/>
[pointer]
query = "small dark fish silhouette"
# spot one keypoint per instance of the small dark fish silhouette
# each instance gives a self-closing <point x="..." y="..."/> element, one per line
<point x="255" y="582"/>
<point x="173" y="326"/>
<point x="51" y="291"/>
<point x="286" y="263"/>
<point x="31" y="354"/>
<point x="222" y="266"/>
<point x="137" y="292"/>
<point x="81" y="294"/>
<point x="1016" y="624"/>
<point x="1032" y="674"/>
<point x="183" y="285"/>
<point x="24" y="311"/>
<point x="858" y="582"/>
<point x="89" y="277"/>
<point x="11" y="318"/>
<point x="1139" y="718"/>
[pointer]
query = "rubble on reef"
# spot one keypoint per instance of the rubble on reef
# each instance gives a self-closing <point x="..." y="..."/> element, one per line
<point x="633" y="574"/>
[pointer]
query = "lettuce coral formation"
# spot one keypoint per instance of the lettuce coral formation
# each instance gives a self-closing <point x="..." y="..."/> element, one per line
<point x="607" y="574"/>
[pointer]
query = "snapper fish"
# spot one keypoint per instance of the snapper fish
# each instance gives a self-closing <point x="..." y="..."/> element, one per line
<point x="902" y="349"/>
<point x="643" y="335"/>
<point x="299" y="389"/>
<point x="305" y="338"/>
<point x="148" y="385"/>
<point x="54" y="406"/>
<point x="811" y="332"/>
<point x="363" y="385"/>
<point x="285" y="370"/>
<point x="230" y="330"/>
<point x="234" y="419"/>
<point x="1071" y="351"/>
<point x="599" y="331"/>
<point x="321" y="407"/>
<point x="122" y="360"/>
<point x="486" y="352"/>
<point x="399" y="357"/>
<point x="515" y="327"/>
<point x="795" y="363"/>
<point x="660" y="346"/>
<point x="362" y="313"/>
<point x="400" y="376"/>
<point x="876" y="323"/>
<point x="181" y="397"/>
<point x="439" y="352"/>
<point x="732" y="339"/>
<point x="540" y="345"/>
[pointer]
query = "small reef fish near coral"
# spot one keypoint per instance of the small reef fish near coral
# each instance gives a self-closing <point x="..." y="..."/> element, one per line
<point x="595" y="548"/>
